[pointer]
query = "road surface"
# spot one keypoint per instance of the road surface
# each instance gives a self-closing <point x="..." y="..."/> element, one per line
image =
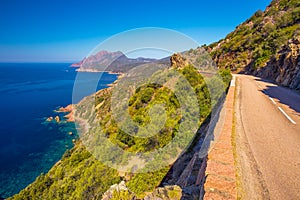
<point x="267" y="120"/>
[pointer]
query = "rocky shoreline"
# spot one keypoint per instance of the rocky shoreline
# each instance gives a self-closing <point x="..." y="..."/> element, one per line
<point x="69" y="117"/>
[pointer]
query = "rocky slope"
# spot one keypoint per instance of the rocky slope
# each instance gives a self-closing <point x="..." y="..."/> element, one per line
<point x="79" y="175"/>
<point x="266" y="45"/>
<point x="285" y="67"/>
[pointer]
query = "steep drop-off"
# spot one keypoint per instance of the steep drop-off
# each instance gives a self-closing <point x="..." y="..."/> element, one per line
<point x="79" y="175"/>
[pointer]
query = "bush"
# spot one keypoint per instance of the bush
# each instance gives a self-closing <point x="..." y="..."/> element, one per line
<point x="147" y="95"/>
<point x="226" y="76"/>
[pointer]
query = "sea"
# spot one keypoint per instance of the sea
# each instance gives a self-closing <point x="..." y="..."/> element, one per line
<point x="29" y="94"/>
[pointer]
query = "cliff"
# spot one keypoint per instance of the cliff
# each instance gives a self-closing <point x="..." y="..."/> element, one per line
<point x="266" y="45"/>
<point x="284" y="67"/>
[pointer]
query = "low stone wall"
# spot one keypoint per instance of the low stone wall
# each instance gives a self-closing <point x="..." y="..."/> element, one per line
<point x="220" y="173"/>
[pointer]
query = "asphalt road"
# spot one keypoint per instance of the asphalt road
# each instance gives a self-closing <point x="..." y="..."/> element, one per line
<point x="268" y="139"/>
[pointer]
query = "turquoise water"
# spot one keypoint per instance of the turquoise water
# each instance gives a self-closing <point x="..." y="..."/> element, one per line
<point x="29" y="93"/>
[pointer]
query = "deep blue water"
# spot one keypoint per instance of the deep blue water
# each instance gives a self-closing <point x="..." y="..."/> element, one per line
<point x="29" y="93"/>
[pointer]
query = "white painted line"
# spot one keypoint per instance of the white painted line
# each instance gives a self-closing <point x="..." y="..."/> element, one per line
<point x="288" y="117"/>
<point x="232" y="83"/>
<point x="272" y="100"/>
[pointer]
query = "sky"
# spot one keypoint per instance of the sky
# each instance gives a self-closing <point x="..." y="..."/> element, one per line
<point x="66" y="31"/>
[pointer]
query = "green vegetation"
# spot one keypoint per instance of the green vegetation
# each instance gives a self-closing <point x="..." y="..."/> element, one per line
<point x="79" y="175"/>
<point x="144" y="98"/>
<point x="256" y="41"/>
<point x="146" y="182"/>
<point x="225" y="74"/>
<point x="122" y="195"/>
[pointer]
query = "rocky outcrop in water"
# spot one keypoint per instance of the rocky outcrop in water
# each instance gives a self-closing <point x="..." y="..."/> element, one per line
<point x="68" y="108"/>
<point x="49" y="119"/>
<point x="57" y="119"/>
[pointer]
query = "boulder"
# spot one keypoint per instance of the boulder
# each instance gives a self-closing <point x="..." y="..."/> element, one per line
<point x="70" y="117"/>
<point x="49" y="119"/>
<point x="68" y="108"/>
<point x="170" y="192"/>
<point x="177" y="61"/>
<point x="57" y="119"/>
<point x="117" y="189"/>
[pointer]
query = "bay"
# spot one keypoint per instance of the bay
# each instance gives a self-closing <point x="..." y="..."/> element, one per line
<point x="29" y="93"/>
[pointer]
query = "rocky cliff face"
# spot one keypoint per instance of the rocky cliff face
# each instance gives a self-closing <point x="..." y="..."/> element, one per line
<point x="178" y="61"/>
<point x="284" y="67"/>
<point x="266" y="45"/>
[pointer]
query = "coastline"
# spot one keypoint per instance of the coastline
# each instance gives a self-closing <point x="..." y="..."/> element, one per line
<point x="66" y="118"/>
<point x="81" y="124"/>
<point x="67" y="112"/>
<point x="119" y="74"/>
<point x="97" y="71"/>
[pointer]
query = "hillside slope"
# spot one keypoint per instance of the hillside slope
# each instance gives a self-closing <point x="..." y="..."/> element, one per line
<point x="79" y="175"/>
<point x="267" y="44"/>
<point x="115" y="62"/>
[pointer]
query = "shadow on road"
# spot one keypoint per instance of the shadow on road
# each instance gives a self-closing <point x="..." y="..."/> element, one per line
<point x="284" y="95"/>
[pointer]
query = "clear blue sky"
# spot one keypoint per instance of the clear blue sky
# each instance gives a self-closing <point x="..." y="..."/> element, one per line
<point x="66" y="30"/>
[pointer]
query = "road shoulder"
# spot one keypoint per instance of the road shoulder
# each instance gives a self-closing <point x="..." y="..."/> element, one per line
<point x="250" y="184"/>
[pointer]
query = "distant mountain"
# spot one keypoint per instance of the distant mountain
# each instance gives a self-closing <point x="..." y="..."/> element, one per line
<point x="114" y="62"/>
<point x="267" y="44"/>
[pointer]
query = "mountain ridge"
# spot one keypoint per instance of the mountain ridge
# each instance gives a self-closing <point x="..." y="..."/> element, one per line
<point x="116" y="62"/>
<point x="266" y="45"/>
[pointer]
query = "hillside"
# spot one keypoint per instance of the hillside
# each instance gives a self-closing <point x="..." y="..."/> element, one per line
<point x="267" y="44"/>
<point x="81" y="175"/>
<point x="115" y="62"/>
